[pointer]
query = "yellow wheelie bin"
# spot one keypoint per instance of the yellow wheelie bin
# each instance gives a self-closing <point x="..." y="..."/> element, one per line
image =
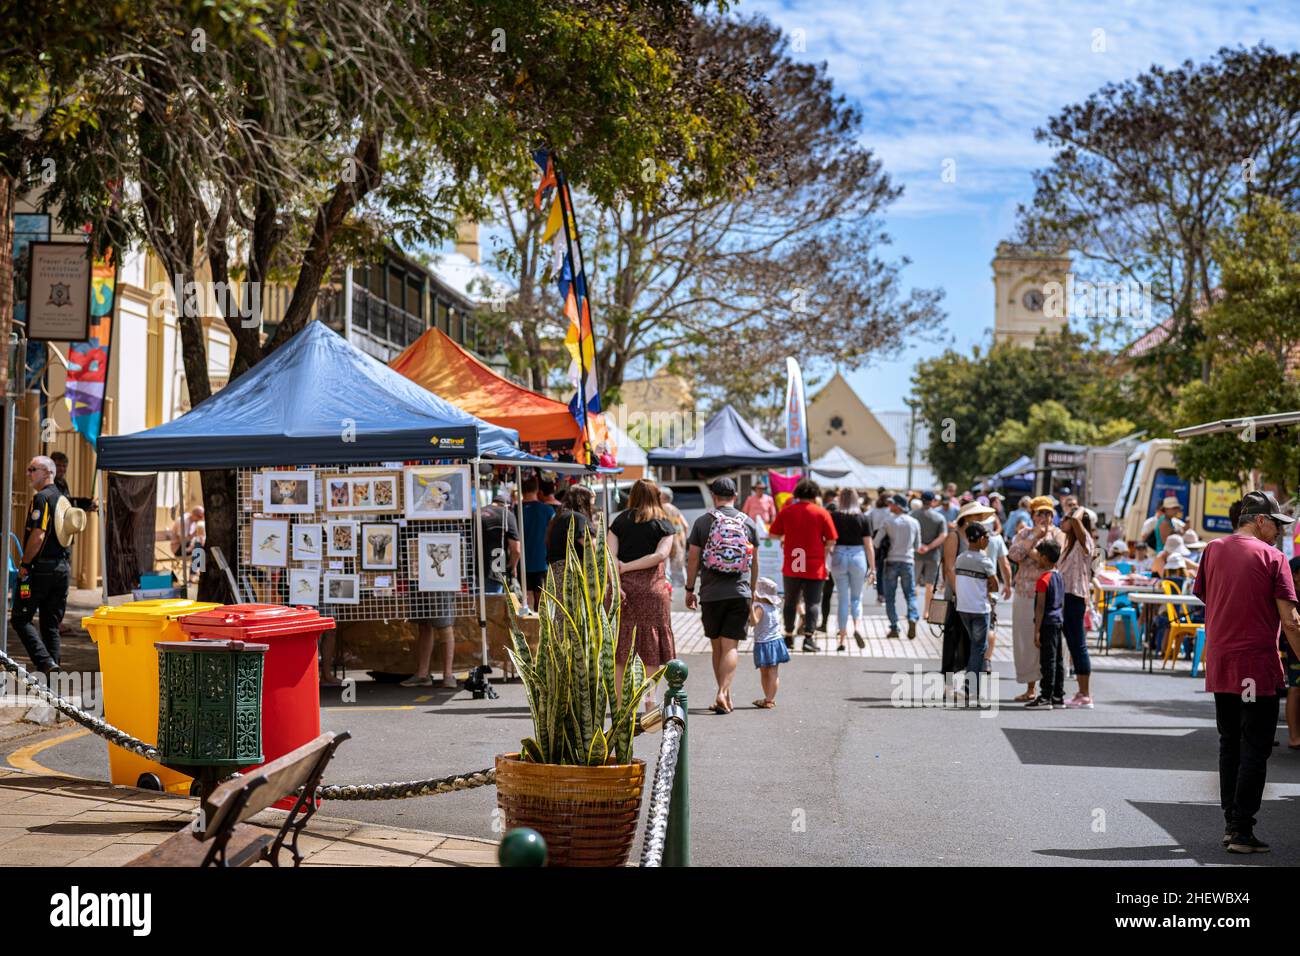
<point x="125" y="634"/>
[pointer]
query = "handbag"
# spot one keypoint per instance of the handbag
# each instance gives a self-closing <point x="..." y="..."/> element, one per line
<point x="938" y="611"/>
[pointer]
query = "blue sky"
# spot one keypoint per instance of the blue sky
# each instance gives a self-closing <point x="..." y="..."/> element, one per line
<point x="969" y="81"/>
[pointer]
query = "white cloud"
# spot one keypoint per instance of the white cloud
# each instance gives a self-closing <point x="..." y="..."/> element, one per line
<point x="971" y="80"/>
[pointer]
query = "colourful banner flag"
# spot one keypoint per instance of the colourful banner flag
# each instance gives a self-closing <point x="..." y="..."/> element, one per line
<point x="88" y="360"/>
<point x="782" y="487"/>
<point x="796" y="409"/>
<point x="580" y="340"/>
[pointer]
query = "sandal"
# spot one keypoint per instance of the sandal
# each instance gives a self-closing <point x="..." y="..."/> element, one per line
<point x="764" y="704"/>
<point x="1023" y="698"/>
<point x="718" y="709"/>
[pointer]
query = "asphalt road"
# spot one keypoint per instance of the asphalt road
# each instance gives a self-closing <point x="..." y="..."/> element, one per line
<point x="839" y="774"/>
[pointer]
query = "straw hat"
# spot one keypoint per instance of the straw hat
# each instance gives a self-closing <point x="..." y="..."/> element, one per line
<point x="69" y="521"/>
<point x="1170" y="502"/>
<point x="1042" y="503"/>
<point x="975" y="510"/>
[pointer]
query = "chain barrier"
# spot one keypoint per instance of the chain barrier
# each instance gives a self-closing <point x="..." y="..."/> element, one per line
<point x="403" y="790"/>
<point x="661" y="794"/>
<point x="371" y="791"/>
<point x="89" y="721"/>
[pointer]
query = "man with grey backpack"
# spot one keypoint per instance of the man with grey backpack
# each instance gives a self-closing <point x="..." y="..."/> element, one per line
<point x="722" y="545"/>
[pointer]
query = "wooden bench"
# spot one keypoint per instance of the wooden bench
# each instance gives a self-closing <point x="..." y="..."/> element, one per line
<point x="221" y="837"/>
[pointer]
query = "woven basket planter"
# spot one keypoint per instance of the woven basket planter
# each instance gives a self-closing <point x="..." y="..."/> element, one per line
<point x="587" y="815"/>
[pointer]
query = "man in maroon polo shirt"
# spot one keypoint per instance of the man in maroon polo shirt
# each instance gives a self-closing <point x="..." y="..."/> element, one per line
<point x="1247" y="589"/>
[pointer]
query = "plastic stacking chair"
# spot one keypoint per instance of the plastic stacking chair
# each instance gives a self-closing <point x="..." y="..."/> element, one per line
<point x="1199" y="653"/>
<point x="1129" y="616"/>
<point x="1180" y="625"/>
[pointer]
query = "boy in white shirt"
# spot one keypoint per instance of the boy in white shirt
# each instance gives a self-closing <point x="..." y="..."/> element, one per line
<point x="976" y="577"/>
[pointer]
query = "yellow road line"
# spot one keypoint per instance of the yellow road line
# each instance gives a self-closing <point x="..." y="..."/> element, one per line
<point x="356" y="710"/>
<point x="24" y="758"/>
<point x="423" y="698"/>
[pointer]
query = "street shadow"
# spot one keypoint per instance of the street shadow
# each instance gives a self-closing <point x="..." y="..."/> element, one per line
<point x="1197" y="749"/>
<point x="481" y="711"/>
<point x="1196" y="829"/>
<point x="1178" y="709"/>
<point x="107" y="828"/>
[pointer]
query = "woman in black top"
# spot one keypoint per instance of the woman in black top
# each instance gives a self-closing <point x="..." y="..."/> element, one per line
<point x="576" y="516"/>
<point x="641" y="538"/>
<point x="853" y="562"/>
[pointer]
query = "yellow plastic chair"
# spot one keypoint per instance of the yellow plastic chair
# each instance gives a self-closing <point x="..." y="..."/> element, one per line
<point x="1181" y="625"/>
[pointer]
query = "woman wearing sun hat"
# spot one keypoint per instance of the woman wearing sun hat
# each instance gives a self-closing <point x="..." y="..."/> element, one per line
<point x="1042" y="511"/>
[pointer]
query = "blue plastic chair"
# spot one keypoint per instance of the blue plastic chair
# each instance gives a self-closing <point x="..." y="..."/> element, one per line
<point x="1198" y="654"/>
<point x="1130" y="618"/>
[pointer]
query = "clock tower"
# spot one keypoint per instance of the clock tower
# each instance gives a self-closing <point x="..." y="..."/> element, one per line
<point x="1024" y="302"/>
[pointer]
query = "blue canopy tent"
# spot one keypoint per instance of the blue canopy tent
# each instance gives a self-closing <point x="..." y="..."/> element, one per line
<point x="316" y="399"/>
<point x="726" y="442"/>
<point x="319" y="400"/>
<point x="1017" y="477"/>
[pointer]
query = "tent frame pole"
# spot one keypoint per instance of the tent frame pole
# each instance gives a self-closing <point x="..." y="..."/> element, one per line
<point x="475" y="530"/>
<point x="103" y="534"/>
<point x="519" y="517"/>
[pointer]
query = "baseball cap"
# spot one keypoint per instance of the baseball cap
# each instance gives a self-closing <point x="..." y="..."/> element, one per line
<point x="723" y="488"/>
<point x="927" y="496"/>
<point x="1263" y="503"/>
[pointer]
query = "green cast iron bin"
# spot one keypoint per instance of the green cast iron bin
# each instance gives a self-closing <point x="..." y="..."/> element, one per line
<point x="210" y="705"/>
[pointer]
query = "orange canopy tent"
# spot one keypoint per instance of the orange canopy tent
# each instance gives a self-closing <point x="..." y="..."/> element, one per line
<point x="449" y="371"/>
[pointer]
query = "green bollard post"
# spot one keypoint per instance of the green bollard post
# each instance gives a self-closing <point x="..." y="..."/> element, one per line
<point x="522" y="847"/>
<point x="677" y="846"/>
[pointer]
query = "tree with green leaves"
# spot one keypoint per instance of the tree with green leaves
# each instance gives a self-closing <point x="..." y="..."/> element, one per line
<point x="979" y="407"/>
<point x="1252" y="329"/>
<point x="1145" y="172"/>
<point x="1048" y="421"/>
<point x="791" y="264"/>
<point x="274" y="147"/>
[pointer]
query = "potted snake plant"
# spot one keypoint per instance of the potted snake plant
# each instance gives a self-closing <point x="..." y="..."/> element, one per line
<point x="574" y="780"/>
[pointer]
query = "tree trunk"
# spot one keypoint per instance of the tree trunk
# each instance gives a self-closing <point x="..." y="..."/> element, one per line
<point x="221" y="512"/>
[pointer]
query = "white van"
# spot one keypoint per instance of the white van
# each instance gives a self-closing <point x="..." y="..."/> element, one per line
<point x="1151" y="475"/>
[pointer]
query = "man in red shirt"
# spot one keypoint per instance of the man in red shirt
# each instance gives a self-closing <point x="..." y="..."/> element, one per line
<point x="807" y="537"/>
<point x="1247" y="589"/>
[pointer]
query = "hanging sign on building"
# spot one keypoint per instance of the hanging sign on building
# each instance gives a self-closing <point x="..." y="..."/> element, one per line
<point x="59" y="292"/>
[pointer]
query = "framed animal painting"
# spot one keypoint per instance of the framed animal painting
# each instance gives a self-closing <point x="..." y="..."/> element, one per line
<point x="437" y="491"/>
<point x="342" y="589"/>
<point x="379" y="547"/>
<point x="341" y="539"/>
<point x="438" y="558"/>
<point x="304" y="586"/>
<point x="270" y="543"/>
<point x="289" y="492"/>
<point x="307" y="542"/>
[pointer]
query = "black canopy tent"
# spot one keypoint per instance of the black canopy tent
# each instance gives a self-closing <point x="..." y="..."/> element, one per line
<point x="725" y="443"/>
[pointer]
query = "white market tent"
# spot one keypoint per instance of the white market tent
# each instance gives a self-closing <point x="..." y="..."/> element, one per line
<point x="840" y="469"/>
<point x="628" y="453"/>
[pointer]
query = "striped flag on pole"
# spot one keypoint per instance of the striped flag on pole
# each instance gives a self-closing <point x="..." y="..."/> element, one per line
<point x="562" y="230"/>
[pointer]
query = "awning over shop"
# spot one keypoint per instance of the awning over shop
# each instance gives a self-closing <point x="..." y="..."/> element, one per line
<point x="444" y="368"/>
<point x="316" y="400"/>
<point x="728" y="441"/>
<point x="840" y="469"/>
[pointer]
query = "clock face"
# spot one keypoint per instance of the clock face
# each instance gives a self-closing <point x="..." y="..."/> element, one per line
<point x="1033" y="300"/>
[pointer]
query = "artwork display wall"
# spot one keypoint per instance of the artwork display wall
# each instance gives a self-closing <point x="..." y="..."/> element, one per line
<point x="372" y="542"/>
